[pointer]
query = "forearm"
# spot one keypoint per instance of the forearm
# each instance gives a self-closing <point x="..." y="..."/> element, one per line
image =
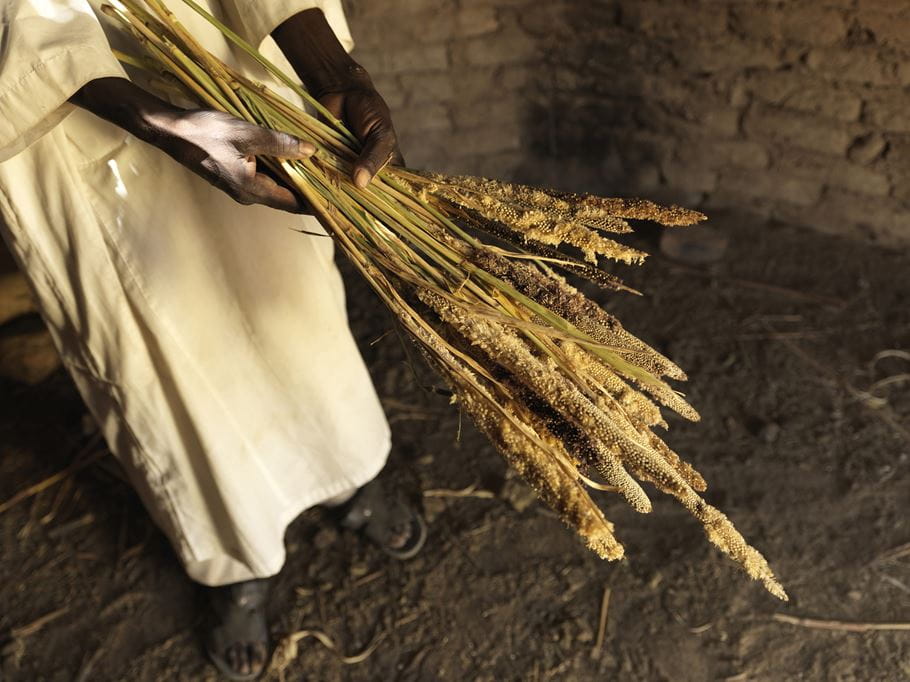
<point x="126" y="105"/>
<point x="316" y="54"/>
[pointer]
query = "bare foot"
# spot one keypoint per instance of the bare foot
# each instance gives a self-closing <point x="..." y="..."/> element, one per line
<point x="237" y="639"/>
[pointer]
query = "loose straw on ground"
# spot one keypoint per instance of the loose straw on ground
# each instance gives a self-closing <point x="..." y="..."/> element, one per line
<point x="840" y="625"/>
<point x="81" y="462"/>
<point x="470" y="491"/>
<point x="288" y="649"/>
<point x="37" y="625"/>
<point x="602" y="624"/>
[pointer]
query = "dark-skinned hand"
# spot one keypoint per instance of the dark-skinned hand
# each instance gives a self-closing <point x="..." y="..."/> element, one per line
<point x="223" y="149"/>
<point x="216" y="146"/>
<point x="361" y="108"/>
<point x="343" y="87"/>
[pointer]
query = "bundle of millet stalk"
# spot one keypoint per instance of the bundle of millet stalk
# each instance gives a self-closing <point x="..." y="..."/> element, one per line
<point x="470" y="269"/>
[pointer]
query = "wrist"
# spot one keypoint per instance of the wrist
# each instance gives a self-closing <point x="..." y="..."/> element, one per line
<point x="339" y="78"/>
<point x="316" y="54"/>
<point x="126" y="105"/>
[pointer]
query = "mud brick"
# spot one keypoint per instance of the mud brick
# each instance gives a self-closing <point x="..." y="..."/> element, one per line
<point x="484" y="140"/>
<point x="802" y="130"/>
<point x="733" y="53"/>
<point x="745" y="154"/>
<point x="686" y="176"/>
<point x="414" y="59"/>
<point x="814" y="25"/>
<point x="890" y="28"/>
<point x="886" y="113"/>
<point x="500" y="114"/>
<point x="859" y="179"/>
<point x="867" y="148"/>
<point x="427" y="117"/>
<point x="758" y="21"/>
<point x="510" y="45"/>
<point x="475" y="21"/>
<point x="771" y="186"/>
<point x="802" y="91"/>
<point x="432" y="87"/>
<point x="863" y="65"/>
<point x="833" y="172"/>
<point x="656" y="17"/>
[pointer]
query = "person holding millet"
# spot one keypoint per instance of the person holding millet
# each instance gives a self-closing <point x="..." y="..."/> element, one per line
<point x="209" y="341"/>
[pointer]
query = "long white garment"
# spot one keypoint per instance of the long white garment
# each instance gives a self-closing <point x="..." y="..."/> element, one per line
<point x="208" y="339"/>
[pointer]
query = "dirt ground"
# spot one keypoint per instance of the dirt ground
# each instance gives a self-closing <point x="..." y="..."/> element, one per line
<point x="803" y="443"/>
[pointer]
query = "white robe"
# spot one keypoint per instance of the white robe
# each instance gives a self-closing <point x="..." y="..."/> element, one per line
<point x="207" y="338"/>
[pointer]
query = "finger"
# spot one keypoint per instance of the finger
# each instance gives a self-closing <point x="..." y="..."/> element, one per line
<point x="262" y="189"/>
<point x="378" y="149"/>
<point x="264" y="142"/>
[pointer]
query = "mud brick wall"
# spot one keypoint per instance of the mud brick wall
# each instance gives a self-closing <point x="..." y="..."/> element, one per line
<point x="797" y="110"/>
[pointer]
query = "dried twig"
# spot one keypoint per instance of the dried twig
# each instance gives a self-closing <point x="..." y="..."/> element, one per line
<point x="35" y="626"/>
<point x="893" y="553"/>
<point x="70" y="526"/>
<point x="62" y="492"/>
<point x="890" y="353"/>
<point x="698" y="629"/>
<point x="839" y="625"/>
<point x="891" y="580"/>
<point x="401" y="411"/>
<point x="602" y="626"/>
<point x="88" y="666"/>
<point x="471" y="491"/>
<point x="887" y="381"/>
<point x="368" y="578"/>
<point x="408" y="619"/>
<point x="393" y="404"/>
<point x="880" y="409"/>
<point x="287" y="650"/>
<point x="80" y="463"/>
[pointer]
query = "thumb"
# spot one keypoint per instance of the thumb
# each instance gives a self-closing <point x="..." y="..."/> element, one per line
<point x="378" y="149"/>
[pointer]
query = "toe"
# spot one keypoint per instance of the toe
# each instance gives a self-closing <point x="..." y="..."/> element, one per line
<point x="257" y="656"/>
<point x="238" y="659"/>
<point x="400" y="535"/>
<point x="244" y="659"/>
<point x="231" y="655"/>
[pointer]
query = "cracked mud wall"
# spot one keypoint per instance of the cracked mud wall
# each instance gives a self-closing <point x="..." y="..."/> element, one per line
<point x="795" y="111"/>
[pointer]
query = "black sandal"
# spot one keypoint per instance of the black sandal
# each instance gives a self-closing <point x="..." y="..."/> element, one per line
<point x="383" y="519"/>
<point x="237" y="615"/>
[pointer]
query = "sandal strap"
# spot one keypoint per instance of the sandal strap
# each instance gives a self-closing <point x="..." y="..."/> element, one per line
<point x="248" y="596"/>
<point x="364" y="507"/>
<point x="377" y="513"/>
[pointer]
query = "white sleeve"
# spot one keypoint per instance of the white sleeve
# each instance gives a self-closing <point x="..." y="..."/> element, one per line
<point x="256" y="19"/>
<point x="50" y="49"/>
